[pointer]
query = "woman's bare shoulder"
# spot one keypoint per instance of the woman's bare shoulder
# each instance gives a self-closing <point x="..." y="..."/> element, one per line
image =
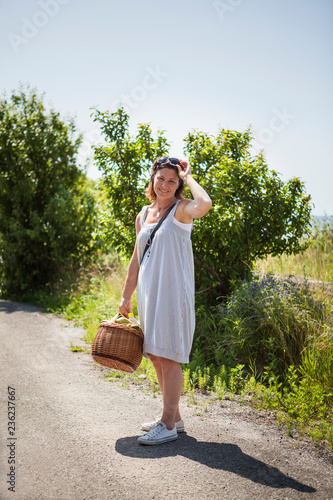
<point x="180" y="214"/>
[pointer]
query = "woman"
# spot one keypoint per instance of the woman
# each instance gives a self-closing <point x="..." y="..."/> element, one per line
<point x="165" y="285"/>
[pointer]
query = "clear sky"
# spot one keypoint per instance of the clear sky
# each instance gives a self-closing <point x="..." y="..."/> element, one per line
<point x="187" y="64"/>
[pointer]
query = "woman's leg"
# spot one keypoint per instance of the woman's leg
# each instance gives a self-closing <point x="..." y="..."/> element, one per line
<point x="170" y="378"/>
<point x="158" y="369"/>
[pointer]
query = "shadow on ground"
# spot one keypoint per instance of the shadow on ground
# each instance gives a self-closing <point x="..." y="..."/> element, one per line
<point x="223" y="456"/>
<point x="9" y="307"/>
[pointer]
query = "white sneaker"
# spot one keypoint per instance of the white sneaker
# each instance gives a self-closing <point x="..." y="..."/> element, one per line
<point x="150" y="425"/>
<point x="158" y="435"/>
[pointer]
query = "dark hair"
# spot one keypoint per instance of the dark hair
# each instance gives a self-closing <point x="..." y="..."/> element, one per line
<point x="149" y="191"/>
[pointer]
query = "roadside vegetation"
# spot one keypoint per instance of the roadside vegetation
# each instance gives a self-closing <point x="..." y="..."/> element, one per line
<point x="263" y="328"/>
<point x="268" y="344"/>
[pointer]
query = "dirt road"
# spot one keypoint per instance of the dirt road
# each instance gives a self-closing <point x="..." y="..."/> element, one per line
<point x="75" y="434"/>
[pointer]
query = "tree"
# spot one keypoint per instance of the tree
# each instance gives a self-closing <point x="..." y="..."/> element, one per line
<point x="46" y="214"/>
<point x="125" y="163"/>
<point x="254" y="212"/>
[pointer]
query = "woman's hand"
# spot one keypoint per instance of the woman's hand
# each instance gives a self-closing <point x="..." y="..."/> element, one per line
<point x="184" y="170"/>
<point x="125" y="307"/>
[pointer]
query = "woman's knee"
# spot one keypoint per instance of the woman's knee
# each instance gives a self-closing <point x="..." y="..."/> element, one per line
<point x="169" y="364"/>
<point x="165" y="363"/>
<point x="155" y="359"/>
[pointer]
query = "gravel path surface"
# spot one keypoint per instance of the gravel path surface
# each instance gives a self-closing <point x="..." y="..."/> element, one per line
<point x="76" y="434"/>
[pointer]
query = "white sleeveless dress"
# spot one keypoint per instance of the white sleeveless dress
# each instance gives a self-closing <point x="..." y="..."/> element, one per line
<point x="165" y="290"/>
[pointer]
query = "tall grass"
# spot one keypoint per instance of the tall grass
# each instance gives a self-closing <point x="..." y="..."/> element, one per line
<point x="271" y="322"/>
<point x="315" y="263"/>
<point x="89" y="297"/>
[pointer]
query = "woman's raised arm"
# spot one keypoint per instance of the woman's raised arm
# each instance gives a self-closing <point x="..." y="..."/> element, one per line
<point x="201" y="203"/>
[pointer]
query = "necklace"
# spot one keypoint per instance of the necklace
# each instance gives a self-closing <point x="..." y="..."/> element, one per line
<point x="163" y="208"/>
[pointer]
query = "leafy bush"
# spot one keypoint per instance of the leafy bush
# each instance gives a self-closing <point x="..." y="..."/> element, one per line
<point x="47" y="214"/>
<point x="269" y="323"/>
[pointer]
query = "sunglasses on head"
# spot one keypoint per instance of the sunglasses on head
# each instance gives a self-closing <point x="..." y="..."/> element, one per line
<point x="164" y="159"/>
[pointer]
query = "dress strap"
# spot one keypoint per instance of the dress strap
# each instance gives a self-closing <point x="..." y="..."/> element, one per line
<point x="182" y="225"/>
<point x="173" y="211"/>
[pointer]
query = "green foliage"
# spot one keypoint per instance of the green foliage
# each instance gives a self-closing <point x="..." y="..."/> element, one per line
<point x="96" y="295"/>
<point x="46" y="212"/>
<point x="269" y="322"/>
<point x="125" y="163"/>
<point x="303" y="399"/>
<point x="254" y="212"/>
<point x="317" y="362"/>
<point x="306" y="407"/>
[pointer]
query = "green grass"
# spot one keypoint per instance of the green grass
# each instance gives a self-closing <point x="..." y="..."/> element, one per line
<point x="96" y="298"/>
<point x="89" y="297"/>
<point x="315" y="263"/>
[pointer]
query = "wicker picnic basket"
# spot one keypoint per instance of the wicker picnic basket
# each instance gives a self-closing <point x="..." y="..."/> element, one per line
<point x="118" y="344"/>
